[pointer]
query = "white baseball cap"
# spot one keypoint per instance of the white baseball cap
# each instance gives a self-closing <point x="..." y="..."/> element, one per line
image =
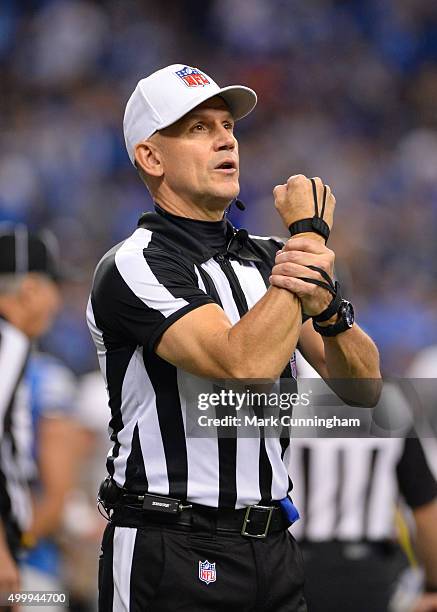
<point x="170" y="93"/>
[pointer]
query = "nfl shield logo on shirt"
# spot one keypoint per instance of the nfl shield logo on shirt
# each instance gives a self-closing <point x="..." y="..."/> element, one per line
<point x="207" y="572"/>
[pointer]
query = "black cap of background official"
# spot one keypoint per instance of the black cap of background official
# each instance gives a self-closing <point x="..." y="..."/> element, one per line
<point x="22" y="251"/>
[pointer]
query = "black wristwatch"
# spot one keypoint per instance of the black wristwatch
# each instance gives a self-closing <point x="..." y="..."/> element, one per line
<point x="345" y="321"/>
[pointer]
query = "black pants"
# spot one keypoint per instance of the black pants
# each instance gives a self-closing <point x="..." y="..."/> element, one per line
<point x="156" y="568"/>
<point x="342" y="577"/>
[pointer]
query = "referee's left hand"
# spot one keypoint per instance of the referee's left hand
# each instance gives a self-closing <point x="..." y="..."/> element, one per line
<point x="290" y="264"/>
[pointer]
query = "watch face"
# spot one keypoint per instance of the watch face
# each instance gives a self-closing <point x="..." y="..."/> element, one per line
<point x="348" y="313"/>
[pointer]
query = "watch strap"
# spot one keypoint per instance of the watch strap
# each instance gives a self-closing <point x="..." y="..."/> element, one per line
<point x="333" y="330"/>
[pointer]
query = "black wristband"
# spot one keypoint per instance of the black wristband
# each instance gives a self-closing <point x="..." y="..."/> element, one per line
<point x="313" y="224"/>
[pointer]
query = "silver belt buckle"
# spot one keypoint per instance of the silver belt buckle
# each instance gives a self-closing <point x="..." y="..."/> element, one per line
<point x="247" y="520"/>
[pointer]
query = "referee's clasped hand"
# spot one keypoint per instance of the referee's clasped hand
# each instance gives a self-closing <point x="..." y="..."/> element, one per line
<point x="291" y="263"/>
<point x="299" y="197"/>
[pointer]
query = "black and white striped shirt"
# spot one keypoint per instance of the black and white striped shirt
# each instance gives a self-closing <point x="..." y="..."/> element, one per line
<point x="347" y="489"/>
<point x="168" y="267"/>
<point x="15" y="429"/>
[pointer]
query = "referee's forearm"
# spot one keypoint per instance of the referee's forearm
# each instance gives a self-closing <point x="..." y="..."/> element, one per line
<point x="264" y="339"/>
<point x="353" y="356"/>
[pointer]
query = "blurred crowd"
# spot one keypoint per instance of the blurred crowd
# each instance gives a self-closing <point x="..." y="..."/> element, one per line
<point x="346" y="91"/>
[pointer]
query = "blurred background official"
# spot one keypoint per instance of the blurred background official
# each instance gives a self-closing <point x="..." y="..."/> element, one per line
<point x="355" y="497"/>
<point x="29" y="300"/>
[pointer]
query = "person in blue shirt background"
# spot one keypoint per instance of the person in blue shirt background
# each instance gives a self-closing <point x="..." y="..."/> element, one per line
<point x="52" y="389"/>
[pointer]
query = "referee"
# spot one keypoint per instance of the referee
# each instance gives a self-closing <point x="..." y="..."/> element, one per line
<point x="200" y="523"/>
<point x="29" y="299"/>
<point x="347" y="490"/>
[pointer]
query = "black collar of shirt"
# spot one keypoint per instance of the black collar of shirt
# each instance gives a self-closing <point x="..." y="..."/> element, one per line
<point x="201" y="239"/>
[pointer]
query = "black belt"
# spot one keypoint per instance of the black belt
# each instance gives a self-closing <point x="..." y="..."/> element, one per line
<point x="253" y="521"/>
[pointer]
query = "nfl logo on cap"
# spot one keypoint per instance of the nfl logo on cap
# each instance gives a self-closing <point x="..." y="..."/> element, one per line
<point x="192" y="77"/>
<point x="207" y="572"/>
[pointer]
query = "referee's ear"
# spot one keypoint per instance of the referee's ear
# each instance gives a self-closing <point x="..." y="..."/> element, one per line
<point x="148" y="158"/>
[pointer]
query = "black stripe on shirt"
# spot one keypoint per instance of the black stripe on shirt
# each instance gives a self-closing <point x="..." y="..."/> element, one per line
<point x="108" y="284"/>
<point x="136" y="478"/>
<point x="227" y="453"/>
<point x="117" y="363"/>
<point x="236" y="289"/>
<point x="106" y="577"/>
<point x="170" y="422"/>
<point x="8" y="418"/>
<point x="340" y="479"/>
<point x="368" y="489"/>
<point x="227" y="450"/>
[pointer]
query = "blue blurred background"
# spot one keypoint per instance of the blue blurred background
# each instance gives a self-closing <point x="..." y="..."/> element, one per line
<point x="347" y="91"/>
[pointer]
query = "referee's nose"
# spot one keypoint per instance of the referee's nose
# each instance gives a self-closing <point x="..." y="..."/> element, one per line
<point x="225" y="139"/>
